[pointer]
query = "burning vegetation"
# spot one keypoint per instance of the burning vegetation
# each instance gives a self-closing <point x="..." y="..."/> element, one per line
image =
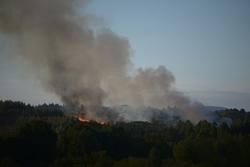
<point x="44" y="136"/>
<point x="85" y="65"/>
<point x="83" y="119"/>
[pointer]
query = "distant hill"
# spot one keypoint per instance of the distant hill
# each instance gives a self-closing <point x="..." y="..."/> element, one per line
<point x="213" y="108"/>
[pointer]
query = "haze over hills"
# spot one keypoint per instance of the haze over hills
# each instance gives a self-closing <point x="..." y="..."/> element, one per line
<point x="222" y="98"/>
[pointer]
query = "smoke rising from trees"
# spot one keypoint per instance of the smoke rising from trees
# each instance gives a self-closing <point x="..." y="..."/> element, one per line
<point x="84" y="66"/>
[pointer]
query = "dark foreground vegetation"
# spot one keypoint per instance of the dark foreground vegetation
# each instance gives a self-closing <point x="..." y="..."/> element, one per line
<point x="43" y="136"/>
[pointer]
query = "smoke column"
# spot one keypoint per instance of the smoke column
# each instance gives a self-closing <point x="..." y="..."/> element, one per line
<point x="86" y="67"/>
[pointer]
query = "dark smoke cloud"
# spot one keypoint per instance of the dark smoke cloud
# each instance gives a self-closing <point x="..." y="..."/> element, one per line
<point x="87" y="67"/>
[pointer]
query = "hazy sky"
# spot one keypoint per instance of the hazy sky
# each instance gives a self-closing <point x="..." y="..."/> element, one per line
<point x="205" y="43"/>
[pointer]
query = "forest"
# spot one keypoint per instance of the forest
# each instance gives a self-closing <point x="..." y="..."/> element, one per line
<point x="44" y="135"/>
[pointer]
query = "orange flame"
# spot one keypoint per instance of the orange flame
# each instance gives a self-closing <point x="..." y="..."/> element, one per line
<point x="83" y="119"/>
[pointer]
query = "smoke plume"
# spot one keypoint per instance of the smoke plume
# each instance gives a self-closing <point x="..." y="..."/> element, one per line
<point x="87" y="67"/>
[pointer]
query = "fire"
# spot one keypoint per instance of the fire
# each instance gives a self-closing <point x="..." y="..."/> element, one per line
<point x="83" y="119"/>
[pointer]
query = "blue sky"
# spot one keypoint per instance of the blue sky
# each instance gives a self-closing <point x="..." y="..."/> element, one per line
<point x="204" y="43"/>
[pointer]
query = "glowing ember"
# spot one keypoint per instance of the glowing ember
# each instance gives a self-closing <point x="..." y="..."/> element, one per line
<point x="83" y="119"/>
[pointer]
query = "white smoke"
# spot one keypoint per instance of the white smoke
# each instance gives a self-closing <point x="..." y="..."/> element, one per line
<point x="86" y="67"/>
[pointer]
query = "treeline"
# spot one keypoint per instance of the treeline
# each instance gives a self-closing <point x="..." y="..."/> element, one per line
<point x="11" y="111"/>
<point x="64" y="141"/>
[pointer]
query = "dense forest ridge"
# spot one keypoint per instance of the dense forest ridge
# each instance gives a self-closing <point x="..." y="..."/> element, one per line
<point x="44" y="136"/>
<point x="12" y="110"/>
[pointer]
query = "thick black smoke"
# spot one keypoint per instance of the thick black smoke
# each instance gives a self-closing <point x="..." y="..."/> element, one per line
<point x="84" y="66"/>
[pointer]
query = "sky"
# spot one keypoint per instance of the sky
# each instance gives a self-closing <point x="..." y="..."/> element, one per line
<point x="204" y="43"/>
